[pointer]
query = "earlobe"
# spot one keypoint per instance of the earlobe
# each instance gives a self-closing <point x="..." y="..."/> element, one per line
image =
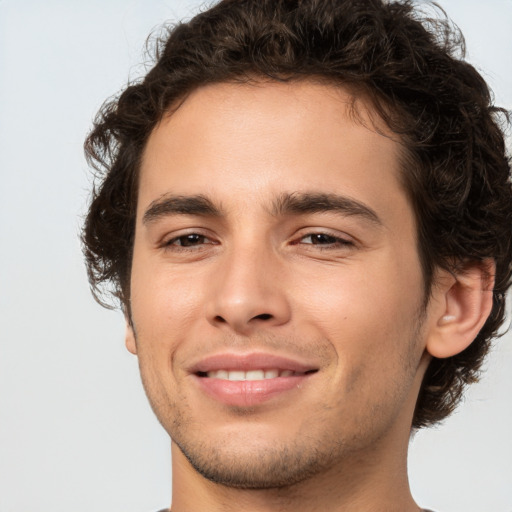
<point x="130" y="341"/>
<point x="466" y="303"/>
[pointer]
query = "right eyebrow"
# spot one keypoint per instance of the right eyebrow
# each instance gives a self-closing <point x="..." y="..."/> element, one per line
<point x="180" y="205"/>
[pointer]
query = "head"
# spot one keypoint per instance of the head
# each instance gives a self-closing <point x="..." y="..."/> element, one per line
<point x="402" y="78"/>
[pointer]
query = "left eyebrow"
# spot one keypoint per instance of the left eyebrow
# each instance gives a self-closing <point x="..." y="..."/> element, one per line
<point x="300" y="203"/>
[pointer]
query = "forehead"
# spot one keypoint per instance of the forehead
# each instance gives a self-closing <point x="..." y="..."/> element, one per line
<point x="257" y="141"/>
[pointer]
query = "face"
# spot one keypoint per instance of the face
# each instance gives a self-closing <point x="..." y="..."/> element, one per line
<point x="276" y="286"/>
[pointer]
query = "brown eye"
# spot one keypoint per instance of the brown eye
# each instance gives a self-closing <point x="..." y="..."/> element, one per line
<point x="323" y="239"/>
<point x="189" y="240"/>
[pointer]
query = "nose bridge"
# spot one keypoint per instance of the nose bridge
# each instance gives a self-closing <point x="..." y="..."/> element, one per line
<point x="246" y="292"/>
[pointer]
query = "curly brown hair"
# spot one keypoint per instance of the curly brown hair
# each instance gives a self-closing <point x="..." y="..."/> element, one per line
<point x="411" y="68"/>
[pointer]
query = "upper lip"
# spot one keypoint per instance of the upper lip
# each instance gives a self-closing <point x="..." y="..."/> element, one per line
<point x="250" y="361"/>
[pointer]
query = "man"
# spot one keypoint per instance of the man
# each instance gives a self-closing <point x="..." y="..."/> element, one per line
<point x="305" y="213"/>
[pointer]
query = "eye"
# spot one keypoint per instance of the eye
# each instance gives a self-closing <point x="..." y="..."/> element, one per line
<point x="189" y="240"/>
<point x="319" y="239"/>
<point x="324" y="240"/>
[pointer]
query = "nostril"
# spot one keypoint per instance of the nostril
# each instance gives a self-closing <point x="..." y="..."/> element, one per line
<point x="264" y="316"/>
<point x="218" y="318"/>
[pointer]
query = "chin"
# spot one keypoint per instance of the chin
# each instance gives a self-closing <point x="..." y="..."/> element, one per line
<point x="269" y="469"/>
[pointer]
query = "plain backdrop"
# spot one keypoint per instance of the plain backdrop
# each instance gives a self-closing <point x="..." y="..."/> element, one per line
<point x="76" y="433"/>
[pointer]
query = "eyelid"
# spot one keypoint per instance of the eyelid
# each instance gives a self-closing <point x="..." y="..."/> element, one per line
<point x="205" y="241"/>
<point x="335" y="240"/>
<point x="342" y="237"/>
<point x="169" y="238"/>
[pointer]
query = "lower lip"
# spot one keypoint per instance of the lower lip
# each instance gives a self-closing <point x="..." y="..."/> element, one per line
<point x="247" y="393"/>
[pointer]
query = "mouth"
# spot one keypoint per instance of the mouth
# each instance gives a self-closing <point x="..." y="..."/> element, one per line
<point x="250" y="379"/>
<point x="251" y="375"/>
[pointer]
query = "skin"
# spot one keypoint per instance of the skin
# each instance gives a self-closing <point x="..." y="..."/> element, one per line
<point x="252" y="279"/>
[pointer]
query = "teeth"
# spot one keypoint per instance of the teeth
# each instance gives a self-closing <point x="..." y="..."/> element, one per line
<point x="249" y="375"/>
<point x="253" y="375"/>
<point x="236" y="375"/>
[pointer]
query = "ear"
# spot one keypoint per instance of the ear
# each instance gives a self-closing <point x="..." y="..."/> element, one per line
<point x="130" y="342"/>
<point x="462" y="303"/>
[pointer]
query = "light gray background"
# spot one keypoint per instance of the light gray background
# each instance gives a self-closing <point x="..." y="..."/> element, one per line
<point x="76" y="433"/>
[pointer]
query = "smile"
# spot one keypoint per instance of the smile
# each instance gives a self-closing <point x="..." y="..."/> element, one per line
<point x="247" y="380"/>
<point x="239" y="375"/>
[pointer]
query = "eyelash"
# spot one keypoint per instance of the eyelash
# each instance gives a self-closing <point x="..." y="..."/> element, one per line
<point x="181" y="238"/>
<point x="332" y="242"/>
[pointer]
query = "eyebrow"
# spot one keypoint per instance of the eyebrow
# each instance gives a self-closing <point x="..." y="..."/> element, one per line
<point x="300" y="203"/>
<point x="286" y="204"/>
<point x="180" y="205"/>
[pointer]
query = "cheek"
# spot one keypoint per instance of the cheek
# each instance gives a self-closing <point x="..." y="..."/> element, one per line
<point x="163" y="309"/>
<point x="370" y="322"/>
<point x="368" y="313"/>
<point x="165" y="303"/>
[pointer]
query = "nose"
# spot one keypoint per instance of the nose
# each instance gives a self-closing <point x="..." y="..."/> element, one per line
<point x="247" y="292"/>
